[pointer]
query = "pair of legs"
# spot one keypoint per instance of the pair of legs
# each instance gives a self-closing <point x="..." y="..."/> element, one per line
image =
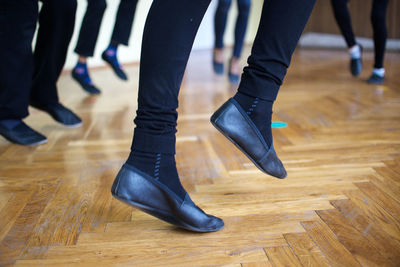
<point x="220" y="18"/>
<point x="149" y="179"/>
<point x="28" y="78"/>
<point x="378" y="20"/>
<point x="88" y="37"/>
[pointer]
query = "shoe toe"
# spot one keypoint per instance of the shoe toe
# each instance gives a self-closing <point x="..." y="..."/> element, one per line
<point x="272" y="165"/>
<point x="218" y="68"/>
<point x="66" y="117"/>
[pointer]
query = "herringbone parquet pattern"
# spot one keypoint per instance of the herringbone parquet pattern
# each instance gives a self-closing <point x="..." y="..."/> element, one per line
<point x="339" y="206"/>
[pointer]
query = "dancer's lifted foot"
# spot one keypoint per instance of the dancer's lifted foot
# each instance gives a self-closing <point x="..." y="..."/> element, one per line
<point x="81" y="74"/>
<point x="110" y="56"/>
<point x="246" y="122"/>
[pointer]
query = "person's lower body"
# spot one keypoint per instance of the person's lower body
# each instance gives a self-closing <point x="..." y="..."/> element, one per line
<point x="149" y="180"/>
<point x="88" y="37"/>
<point x="19" y="23"/>
<point x="56" y="25"/>
<point x="378" y="20"/>
<point x="220" y="19"/>
<point x="343" y="19"/>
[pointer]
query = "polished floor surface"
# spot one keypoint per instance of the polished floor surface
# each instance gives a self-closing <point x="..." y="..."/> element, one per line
<point x="339" y="205"/>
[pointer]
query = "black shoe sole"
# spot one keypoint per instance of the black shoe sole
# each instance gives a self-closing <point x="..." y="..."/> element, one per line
<point x="163" y="215"/>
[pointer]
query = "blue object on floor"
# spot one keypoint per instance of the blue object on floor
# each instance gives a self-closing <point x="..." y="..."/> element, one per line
<point x="278" y="124"/>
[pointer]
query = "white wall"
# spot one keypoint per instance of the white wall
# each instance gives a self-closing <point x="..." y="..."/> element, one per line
<point x="204" y="38"/>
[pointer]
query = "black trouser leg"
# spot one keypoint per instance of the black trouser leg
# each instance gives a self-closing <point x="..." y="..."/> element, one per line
<point x="90" y="27"/>
<point x="220" y="18"/>
<point x="241" y="26"/>
<point x="378" y="20"/>
<point x="56" y="25"/>
<point x="343" y="19"/>
<point x="123" y="21"/>
<point x="167" y="41"/>
<point x="18" y="23"/>
<point x="281" y="24"/>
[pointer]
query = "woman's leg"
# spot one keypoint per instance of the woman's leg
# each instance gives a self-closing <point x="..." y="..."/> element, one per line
<point x="281" y="24"/>
<point x="240" y="32"/>
<point x="241" y="26"/>
<point x="378" y="20"/>
<point x="149" y="179"/>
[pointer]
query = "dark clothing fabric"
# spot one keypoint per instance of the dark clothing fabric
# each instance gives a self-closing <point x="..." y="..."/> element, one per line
<point x="378" y="20"/>
<point x="220" y="19"/>
<point x="56" y="26"/>
<point x="167" y="41"/>
<point x="22" y="74"/>
<point x="92" y="20"/>
<point x="18" y="23"/>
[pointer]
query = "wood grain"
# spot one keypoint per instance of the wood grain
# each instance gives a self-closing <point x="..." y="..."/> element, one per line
<point x="339" y="205"/>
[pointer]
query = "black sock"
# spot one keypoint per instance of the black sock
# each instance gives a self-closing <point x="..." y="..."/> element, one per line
<point x="259" y="111"/>
<point x="161" y="167"/>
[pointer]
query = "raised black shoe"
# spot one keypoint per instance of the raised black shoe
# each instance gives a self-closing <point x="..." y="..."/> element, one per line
<point x="356" y="64"/>
<point x="60" y="114"/>
<point x="145" y="193"/>
<point x="233" y="122"/>
<point x="22" y="134"/>
<point x="376" y="79"/>
<point x="90" y="88"/>
<point x="115" y="66"/>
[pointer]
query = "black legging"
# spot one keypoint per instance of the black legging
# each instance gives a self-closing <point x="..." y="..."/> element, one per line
<point x="167" y="41"/>
<point x="23" y="75"/>
<point x="92" y="20"/>
<point x="378" y="20"/>
<point x="221" y="15"/>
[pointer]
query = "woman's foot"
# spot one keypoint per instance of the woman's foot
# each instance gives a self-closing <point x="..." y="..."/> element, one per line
<point x="110" y="56"/>
<point x="377" y="76"/>
<point x="355" y="61"/>
<point x="234" y="70"/>
<point x="218" y="61"/>
<point x="150" y="182"/>
<point x="246" y="122"/>
<point x="80" y="73"/>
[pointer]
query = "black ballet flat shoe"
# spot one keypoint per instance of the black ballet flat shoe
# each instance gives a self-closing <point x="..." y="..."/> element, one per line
<point x="218" y="67"/>
<point x="233" y="78"/>
<point x="143" y="192"/>
<point x="60" y="114"/>
<point x="233" y="122"/>
<point x="90" y="88"/>
<point x="117" y="70"/>
<point x="376" y="79"/>
<point x="356" y="64"/>
<point x="22" y="134"/>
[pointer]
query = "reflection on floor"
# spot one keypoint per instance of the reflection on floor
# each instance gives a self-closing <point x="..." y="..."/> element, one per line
<point x="338" y="206"/>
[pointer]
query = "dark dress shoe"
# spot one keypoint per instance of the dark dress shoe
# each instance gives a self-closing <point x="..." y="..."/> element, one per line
<point x="115" y="66"/>
<point x="22" y="134"/>
<point x="233" y="78"/>
<point x="60" y="114"/>
<point x="218" y="67"/>
<point x="143" y="192"/>
<point x="90" y="88"/>
<point x="376" y="79"/>
<point x="233" y="122"/>
<point x="356" y="64"/>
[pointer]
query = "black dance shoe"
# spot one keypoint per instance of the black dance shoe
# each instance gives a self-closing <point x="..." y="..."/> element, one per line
<point x="233" y="122"/>
<point x="60" y="114"/>
<point x="218" y="67"/>
<point x="22" y="134"/>
<point x="356" y="64"/>
<point x="143" y="192"/>
<point x="115" y="66"/>
<point x="376" y="79"/>
<point x="90" y="88"/>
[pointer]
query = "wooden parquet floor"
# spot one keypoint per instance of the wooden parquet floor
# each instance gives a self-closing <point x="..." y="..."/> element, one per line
<point x="339" y="205"/>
